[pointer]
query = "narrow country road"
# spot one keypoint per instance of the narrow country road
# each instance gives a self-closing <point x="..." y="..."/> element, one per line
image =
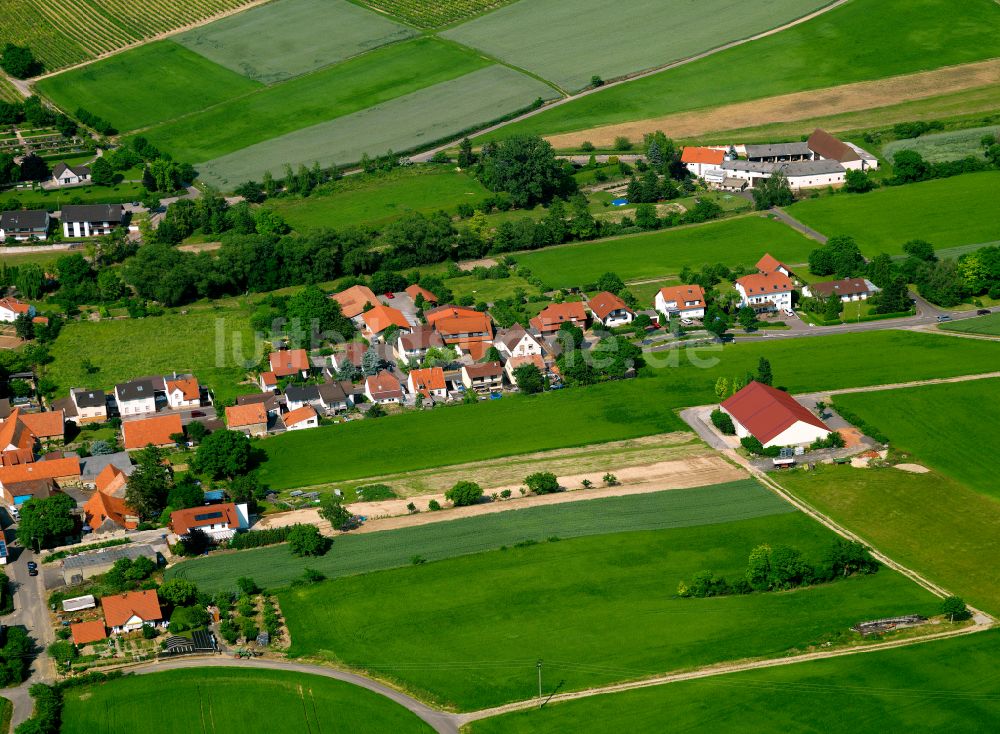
<point x="799" y="226"/>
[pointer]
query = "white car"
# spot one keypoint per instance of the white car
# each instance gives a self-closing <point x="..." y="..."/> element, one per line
<point x="686" y="322"/>
<point x="789" y="312"/>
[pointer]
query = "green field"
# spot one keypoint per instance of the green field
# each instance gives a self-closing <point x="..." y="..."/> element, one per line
<point x="129" y="348"/>
<point x="922" y="421"/>
<point x="927" y="522"/>
<point x="948" y="146"/>
<point x="884" y="220"/>
<point x="146" y="85"/>
<point x="375" y="201"/>
<point x="275" y="567"/>
<point x="433" y="13"/>
<point x="351" y="86"/>
<point x="596" y="609"/>
<point x="922" y="689"/>
<point x="231" y="701"/>
<point x="659" y="254"/>
<point x="412" y="120"/>
<point x="823" y="52"/>
<point x="988" y="325"/>
<point x="290" y="37"/>
<point x="567" y="43"/>
<point x="611" y="411"/>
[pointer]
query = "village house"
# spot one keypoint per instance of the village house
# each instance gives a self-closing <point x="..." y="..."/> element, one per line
<point x="268" y="382"/>
<point x="112" y="481"/>
<point x="829" y="148"/>
<point x="90" y="220"/>
<point x="336" y="396"/>
<point x="218" y="522"/>
<point x="779" y="152"/>
<point x="483" y="378"/>
<point x="88" y="406"/>
<point x="773" y="417"/>
<point x="183" y="392"/>
<point x="511" y="365"/>
<point x="11" y="308"/>
<point x="24" y="225"/>
<point x="355" y="300"/>
<point x="92" y="467"/>
<point x="468" y="330"/>
<point x="701" y="160"/>
<point x="383" y="388"/>
<point x="250" y="418"/>
<point x="517" y="342"/>
<point x="66" y="175"/>
<point x="75" y="569"/>
<point x="289" y="362"/>
<point x="412" y="347"/>
<point x="847" y="289"/>
<point x="105" y="513"/>
<point x="138" y="397"/>
<point x="380" y="318"/>
<point x="350" y="354"/>
<point x="157" y="431"/>
<point x="48" y="428"/>
<point x="765" y="292"/>
<point x="16" y="494"/>
<point x="132" y="611"/>
<point x="298" y="396"/>
<point x="551" y="318"/>
<point x="428" y="382"/>
<point x="415" y="290"/>
<point x="770" y="264"/>
<point x="87" y="633"/>
<point x="268" y="399"/>
<point x="683" y="301"/>
<point x="609" y="310"/>
<point x="300" y="418"/>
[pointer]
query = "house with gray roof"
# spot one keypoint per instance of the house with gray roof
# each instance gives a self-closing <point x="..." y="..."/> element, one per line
<point x="24" y="225"/>
<point x="90" y="220"/>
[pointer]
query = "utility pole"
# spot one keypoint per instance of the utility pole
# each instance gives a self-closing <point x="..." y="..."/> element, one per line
<point x="538" y="665"/>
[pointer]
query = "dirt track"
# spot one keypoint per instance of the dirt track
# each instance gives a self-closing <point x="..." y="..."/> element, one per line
<point x="798" y="106"/>
<point x="697" y="471"/>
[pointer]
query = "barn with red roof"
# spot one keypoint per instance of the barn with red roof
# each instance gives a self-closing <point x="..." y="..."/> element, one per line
<point x="773" y="417"/>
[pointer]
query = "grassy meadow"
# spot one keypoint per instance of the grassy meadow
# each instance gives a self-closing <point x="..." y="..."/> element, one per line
<point x="927" y="522"/>
<point x="231" y="701"/>
<point x="921" y="421"/>
<point x="922" y="689"/>
<point x="275" y="567"/>
<point x="611" y="411"/>
<point x="403" y="123"/>
<point x="596" y="609"/>
<point x="567" y="43"/>
<point x="946" y="212"/>
<point x="124" y="349"/>
<point x="823" y="52"/>
<point x="658" y="254"/>
<point x="290" y="37"/>
<point x="987" y="325"/>
<point x="53" y="199"/>
<point x="946" y="146"/>
<point x="377" y="201"/>
<point x="332" y="92"/>
<point x="146" y="85"/>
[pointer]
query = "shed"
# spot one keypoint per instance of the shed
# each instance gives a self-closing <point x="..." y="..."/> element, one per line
<point x="78" y="603"/>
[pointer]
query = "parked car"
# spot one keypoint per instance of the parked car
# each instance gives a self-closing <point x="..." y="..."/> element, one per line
<point x="983" y="312"/>
<point x="944" y="317"/>
<point x="32" y="571"/>
<point x="789" y="312"/>
<point x="32" y="566"/>
<point x="197" y="414"/>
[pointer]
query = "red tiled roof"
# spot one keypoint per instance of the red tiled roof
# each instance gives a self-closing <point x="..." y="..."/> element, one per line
<point x="353" y="300"/>
<point x="156" y="431"/>
<point x="289" y="361"/>
<point x="555" y="315"/>
<point x="268" y="378"/>
<point x="110" y="479"/>
<point x="767" y="412"/>
<point x="52" y="469"/>
<point x="103" y="507"/>
<point x="241" y="416"/>
<point x="86" y="632"/>
<point x="414" y="290"/>
<point x="603" y="303"/>
<point x="13" y="304"/>
<point x="120" y="608"/>
<point x="845" y="287"/>
<point x="381" y="317"/>
<point x="703" y="155"/>
<point x="187" y="385"/>
<point x="425" y="380"/>
<point x="299" y="415"/>
<point x="383" y="386"/>
<point x="487" y="369"/>
<point x="770" y="264"/>
<point x="182" y="521"/>
<point x="681" y="294"/>
<point x="14" y="433"/>
<point x="50" y="424"/>
<point x="448" y="311"/>
<point x="760" y="284"/>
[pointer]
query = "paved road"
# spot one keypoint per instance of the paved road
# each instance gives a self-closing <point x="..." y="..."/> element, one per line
<point x="797" y="225"/>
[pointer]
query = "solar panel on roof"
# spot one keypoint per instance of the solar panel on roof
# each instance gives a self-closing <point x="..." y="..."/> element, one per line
<point x="207" y="516"/>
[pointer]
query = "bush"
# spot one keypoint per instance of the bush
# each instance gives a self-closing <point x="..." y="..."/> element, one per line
<point x="258" y="538"/>
<point x="723" y="422"/>
<point x="229" y="631"/>
<point x="755" y="447"/>
<point x="464" y="494"/>
<point x="375" y="492"/>
<point x="188" y="618"/>
<point x="247" y="585"/>
<point x="542" y="482"/>
<point x="433" y="505"/>
<point x="306" y="540"/>
<point x="833" y="441"/>
<point x="954" y="608"/>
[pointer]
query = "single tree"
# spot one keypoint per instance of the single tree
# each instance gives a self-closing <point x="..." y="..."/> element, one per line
<point x="46" y="522"/>
<point x="306" y="540"/>
<point x="333" y="511"/>
<point x="149" y="484"/>
<point x="542" y="482"/>
<point x="101" y="172"/>
<point x="764" y="373"/>
<point x="224" y="454"/>
<point x="955" y="609"/>
<point x="747" y="318"/>
<point x="464" y="493"/>
<point x="178" y="592"/>
<point x="529" y="379"/>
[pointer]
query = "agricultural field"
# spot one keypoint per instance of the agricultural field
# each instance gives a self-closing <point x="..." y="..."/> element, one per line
<point x="419" y="118"/>
<point x="112" y="89"/>
<point x="7" y="91"/>
<point x="946" y="146"/>
<point x="428" y="14"/>
<point x="301" y="36"/>
<point x="155" y="345"/>
<point x="596" y="609"/>
<point x="229" y="700"/>
<point x="916" y="689"/>
<point x="612" y="411"/>
<point x="928" y="522"/>
<point x="274" y="567"/>
<point x="376" y="201"/>
<point x="351" y="86"/>
<point x="987" y="325"/>
<point x="921" y="420"/>
<point x="65" y="32"/>
<point x="823" y="52"/>
<point x="568" y="43"/>
<point x="660" y="254"/>
<point x="883" y="220"/>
